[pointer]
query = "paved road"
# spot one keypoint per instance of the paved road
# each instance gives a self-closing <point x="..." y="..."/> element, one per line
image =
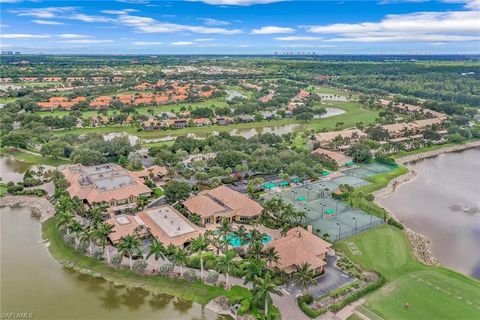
<point x="332" y="279"/>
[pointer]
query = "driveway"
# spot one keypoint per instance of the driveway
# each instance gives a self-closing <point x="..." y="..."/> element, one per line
<point x="332" y="279"/>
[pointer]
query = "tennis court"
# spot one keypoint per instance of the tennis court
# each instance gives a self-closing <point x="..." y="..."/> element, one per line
<point x="328" y="215"/>
<point x="325" y="214"/>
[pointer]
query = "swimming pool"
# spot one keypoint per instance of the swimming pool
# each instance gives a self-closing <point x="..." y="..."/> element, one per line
<point x="235" y="241"/>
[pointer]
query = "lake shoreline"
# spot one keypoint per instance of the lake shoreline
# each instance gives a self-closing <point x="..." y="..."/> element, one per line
<point x="421" y="244"/>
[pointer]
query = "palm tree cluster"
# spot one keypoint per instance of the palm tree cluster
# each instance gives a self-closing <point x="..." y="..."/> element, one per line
<point x="282" y="215"/>
<point x="94" y="230"/>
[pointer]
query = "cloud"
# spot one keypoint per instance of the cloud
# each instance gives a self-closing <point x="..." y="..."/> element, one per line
<point x="297" y="38"/>
<point x="147" y="43"/>
<point x="134" y="1"/>
<point x="236" y="2"/>
<point x="124" y="11"/>
<point x="23" y="36"/>
<point x="47" y="22"/>
<point x="150" y="25"/>
<point x="420" y="26"/>
<point x="214" y="22"/>
<point x="272" y="30"/>
<point x="73" y="36"/>
<point x="203" y="39"/>
<point x="86" y="41"/>
<point x="45" y="13"/>
<point x="88" y="18"/>
<point x="183" y="43"/>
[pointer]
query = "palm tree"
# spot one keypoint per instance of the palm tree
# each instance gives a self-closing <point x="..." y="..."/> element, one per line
<point x="180" y="258"/>
<point x="226" y="263"/>
<point x="242" y="234"/>
<point x="254" y="269"/>
<point x="64" y="218"/>
<point x="304" y="276"/>
<point x="102" y="233"/>
<point x="263" y="289"/>
<point x="76" y="228"/>
<point x="87" y="235"/>
<point x="142" y="202"/>
<point x="255" y="249"/>
<point x="128" y="245"/>
<point x="157" y="250"/>
<point x="199" y="245"/>
<point x="224" y="230"/>
<point x="271" y="256"/>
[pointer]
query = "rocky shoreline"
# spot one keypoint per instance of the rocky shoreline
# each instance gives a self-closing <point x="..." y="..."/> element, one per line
<point x="41" y="207"/>
<point x="421" y="245"/>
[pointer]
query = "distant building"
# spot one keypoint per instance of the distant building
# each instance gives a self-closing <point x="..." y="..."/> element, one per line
<point x="340" y="158"/>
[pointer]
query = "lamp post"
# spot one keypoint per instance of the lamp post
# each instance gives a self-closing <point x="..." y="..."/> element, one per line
<point x="339" y="230"/>
<point x="355" y="230"/>
<point x="336" y="207"/>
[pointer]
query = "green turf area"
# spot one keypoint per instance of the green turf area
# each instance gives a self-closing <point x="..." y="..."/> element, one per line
<point x="353" y="316"/>
<point x="25" y="156"/>
<point x="429" y="148"/>
<point x="329" y="90"/>
<point x="354" y="113"/>
<point x="7" y="100"/>
<point x="432" y="292"/>
<point x="3" y="188"/>
<point x="194" y="291"/>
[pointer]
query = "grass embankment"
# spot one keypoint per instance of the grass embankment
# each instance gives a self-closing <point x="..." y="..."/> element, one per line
<point x="377" y="182"/>
<point x="193" y="291"/>
<point x="430" y="148"/>
<point x="25" y="156"/>
<point x="432" y="292"/>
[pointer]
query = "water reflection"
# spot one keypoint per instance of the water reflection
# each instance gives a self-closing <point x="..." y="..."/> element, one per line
<point x="32" y="281"/>
<point x="443" y="203"/>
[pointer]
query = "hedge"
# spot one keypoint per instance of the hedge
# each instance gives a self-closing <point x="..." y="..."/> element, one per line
<point x="358" y="294"/>
<point x="244" y="307"/>
<point x="395" y="223"/>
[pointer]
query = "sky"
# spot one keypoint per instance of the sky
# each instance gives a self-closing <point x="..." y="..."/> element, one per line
<point x="241" y="27"/>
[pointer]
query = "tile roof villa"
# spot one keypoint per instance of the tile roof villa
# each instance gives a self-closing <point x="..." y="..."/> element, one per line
<point x="300" y="246"/>
<point x="223" y="202"/>
<point x="108" y="183"/>
<point x="164" y="223"/>
<point x="340" y="158"/>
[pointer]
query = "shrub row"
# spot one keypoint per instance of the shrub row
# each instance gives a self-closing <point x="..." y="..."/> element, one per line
<point x="395" y="223"/>
<point x="358" y="294"/>
<point x="304" y="306"/>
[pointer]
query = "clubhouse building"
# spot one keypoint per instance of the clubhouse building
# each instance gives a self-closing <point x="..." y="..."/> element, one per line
<point x="107" y="184"/>
<point x="300" y="246"/>
<point x="223" y="203"/>
<point x="164" y="223"/>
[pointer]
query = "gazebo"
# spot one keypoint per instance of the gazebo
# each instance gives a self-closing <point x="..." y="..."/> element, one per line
<point x="283" y="183"/>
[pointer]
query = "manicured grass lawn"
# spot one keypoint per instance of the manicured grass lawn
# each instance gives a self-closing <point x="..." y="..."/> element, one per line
<point x="329" y="90"/>
<point x="34" y="159"/>
<point x="430" y="148"/>
<point x="432" y="292"/>
<point x="377" y="182"/>
<point x="354" y="317"/>
<point x="353" y="115"/>
<point x="194" y="291"/>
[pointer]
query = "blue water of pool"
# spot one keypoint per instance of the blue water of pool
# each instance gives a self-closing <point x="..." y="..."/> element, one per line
<point x="235" y="241"/>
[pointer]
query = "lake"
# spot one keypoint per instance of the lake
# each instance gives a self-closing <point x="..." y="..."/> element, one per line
<point x="33" y="282"/>
<point x="443" y="203"/>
